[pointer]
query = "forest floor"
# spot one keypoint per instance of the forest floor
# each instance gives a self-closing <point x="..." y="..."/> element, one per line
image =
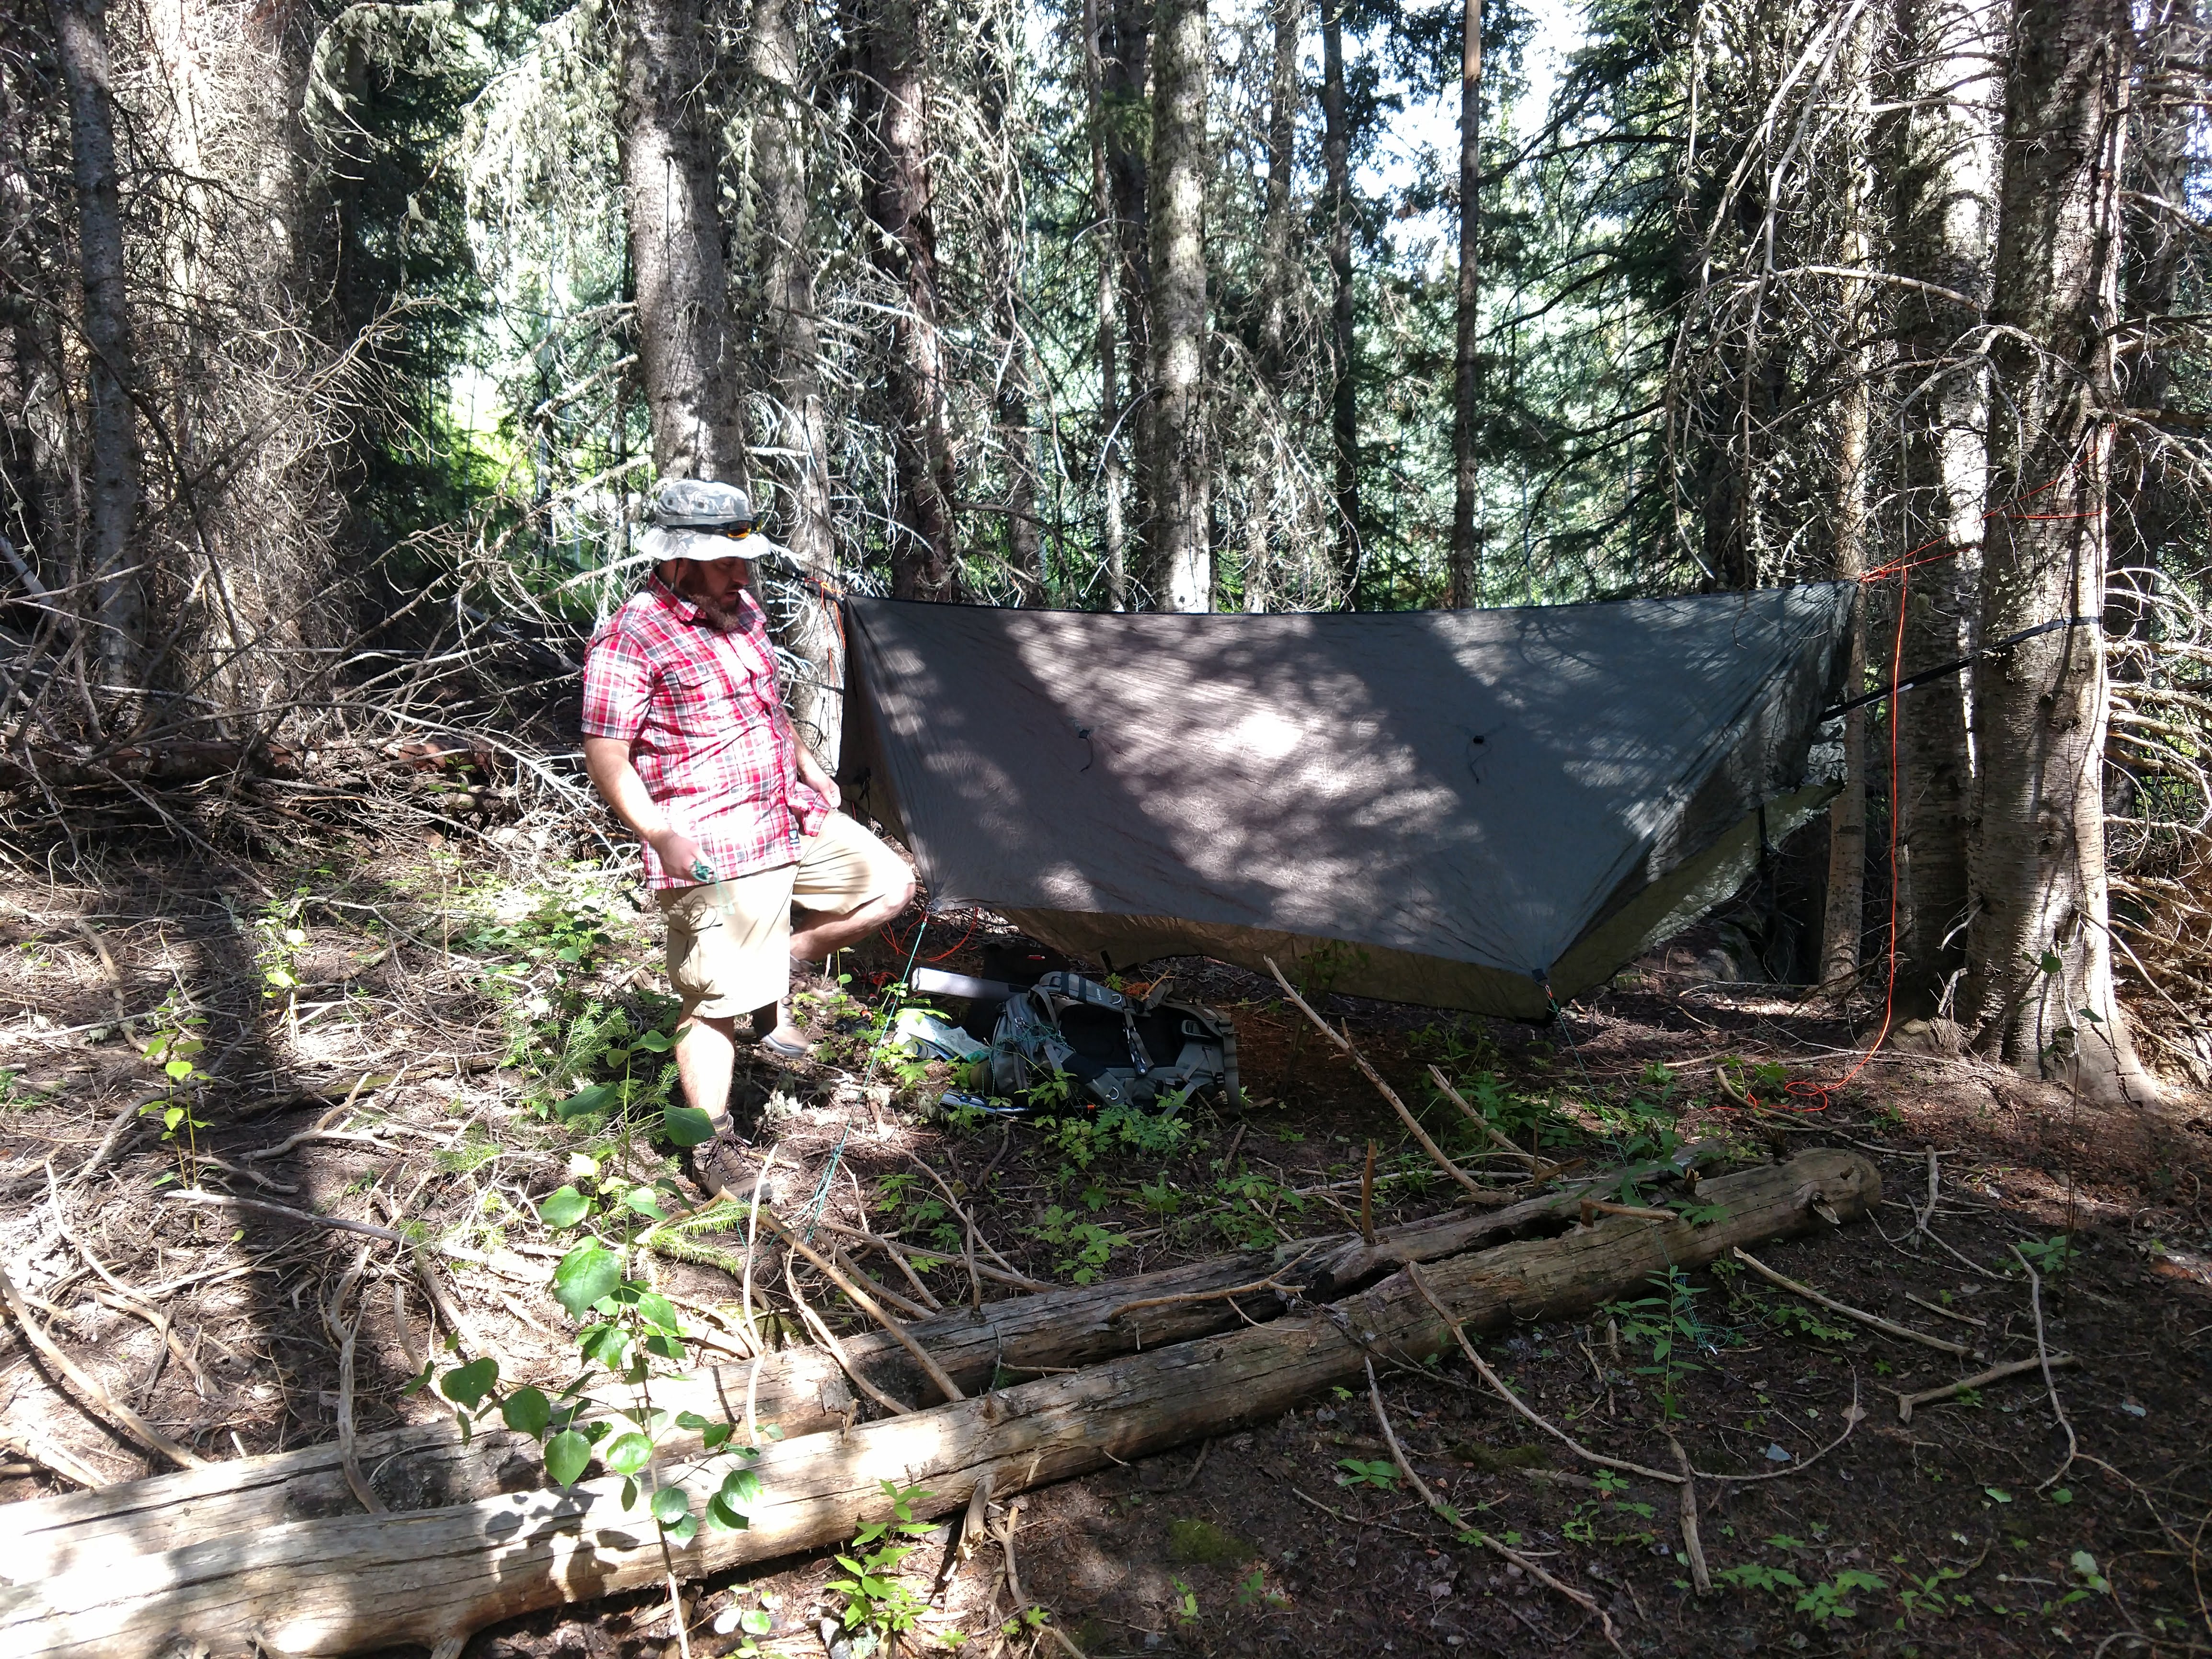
<point x="471" y="984"/>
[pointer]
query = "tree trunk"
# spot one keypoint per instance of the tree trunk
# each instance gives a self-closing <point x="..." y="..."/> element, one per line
<point x="1181" y="542"/>
<point x="351" y="1581"/>
<point x="1467" y="533"/>
<point x="793" y="368"/>
<point x="669" y="145"/>
<point x="1127" y="117"/>
<point x="1344" y="399"/>
<point x="996" y="68"/>
<point x="1276" y="275"/>
<point x="1945" y="213"/>
<point x="112" y="502"/>
<point x="2038" y="952"/>
<point x="1844" y="921"/>
<point x="923" y="551"/>
<point x="1105" y="210"/>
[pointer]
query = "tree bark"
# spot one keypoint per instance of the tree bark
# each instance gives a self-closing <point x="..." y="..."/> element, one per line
<point x="346" y="1583"/>
<point x="996" y="68"/>
<point x="1945" y="211"/>
<point x="1276" y="275"/>
<point x="1344" y="397"/>
<point x="923" y="551"/>
<point x="112" y="502"/>
<point x="2038" y="952"/>
<point x="1105" y="211"/>
<point x="793" y="368"/>
<point x="669" y="145"/>
<point x="1843" y="923"/>
<point x="1467" y="533"/>
<point x="1181" y="540"/>
<point x="1127" y="121"/>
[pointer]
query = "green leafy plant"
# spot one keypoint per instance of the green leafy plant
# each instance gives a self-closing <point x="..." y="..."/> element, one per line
<point x="878" y="1601"/>
<point x="1753" y="1575"/>
<point x="1829" y="1600"/>
<point x="1381" y="1473"/>
<point x="1668" y="1325"/>
<point x="1086" y="1243"/>
<point x="175" y="1047"/>
<point x="2049" y="1257"/>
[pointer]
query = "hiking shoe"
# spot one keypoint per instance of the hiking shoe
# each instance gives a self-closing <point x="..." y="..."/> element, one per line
<point x="722" y="1166"/>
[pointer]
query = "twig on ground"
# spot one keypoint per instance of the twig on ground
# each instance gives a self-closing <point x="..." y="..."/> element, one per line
<point x="1958" y="1350"/>
<point x="1692" y="1545"/>
<point x="123" y="1297"/>
<point x="50" y="1453"/>
<point x="1451" y="1517"/>
<point x="2042" y="1356"/>
<point x="122" y="1121"/>
<point x="752" y="1233"/>
<point x="815" y="1323"/>
<point x="458" y="1322"/>
<point x="1367" y="1199"/>
<point x="880" y="1290"/>
<point x="345" y="1331"/>
<point x="1004" y="1532"/>
<point x="1197" y="1467"/>
<point x="900" y="1249"/>
<point x="1906" y="1402"/>
<point x="1941" y="1312"/>
<point x="416" y="1362"/>
<point x="930" y="1304"/>
<point x="1513" y="1399"/>
<point x="1475" y="1189"/>
<point x="869" y="1306"/>
<point x="117" y="1414"/>
<point x="1489" y="1129"/>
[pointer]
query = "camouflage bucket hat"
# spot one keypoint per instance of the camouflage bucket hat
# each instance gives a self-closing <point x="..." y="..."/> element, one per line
<point x="700" y="503"/>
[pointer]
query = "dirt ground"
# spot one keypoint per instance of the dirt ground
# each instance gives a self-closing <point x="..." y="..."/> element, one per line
<point x="469" y="983"/>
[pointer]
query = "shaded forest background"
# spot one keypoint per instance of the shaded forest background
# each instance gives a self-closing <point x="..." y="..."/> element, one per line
<point x="339" y="344"/>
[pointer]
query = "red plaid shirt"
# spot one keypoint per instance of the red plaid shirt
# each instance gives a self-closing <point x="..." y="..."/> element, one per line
<point x="706" y="729"/>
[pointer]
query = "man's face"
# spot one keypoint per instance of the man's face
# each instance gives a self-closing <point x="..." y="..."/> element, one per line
<point x="712" y="585"/>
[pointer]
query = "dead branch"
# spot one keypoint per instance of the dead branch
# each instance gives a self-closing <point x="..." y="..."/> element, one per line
<point x="1906" y="1402"/>
<point x="113" y="1410"/>
<point x="1872" y="1321"/>
<point x="1475" y="1189"/>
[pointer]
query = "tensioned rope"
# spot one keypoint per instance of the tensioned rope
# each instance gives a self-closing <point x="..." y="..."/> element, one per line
<point x="1803" y="1096"/>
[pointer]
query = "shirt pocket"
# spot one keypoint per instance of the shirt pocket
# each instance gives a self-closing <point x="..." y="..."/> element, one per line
<point x="696" y="705"/>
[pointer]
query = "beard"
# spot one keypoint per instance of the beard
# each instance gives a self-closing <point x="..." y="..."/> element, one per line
<point x="725" y="615"/>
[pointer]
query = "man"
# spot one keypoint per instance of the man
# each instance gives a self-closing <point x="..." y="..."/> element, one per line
<point x="686" y="738"/>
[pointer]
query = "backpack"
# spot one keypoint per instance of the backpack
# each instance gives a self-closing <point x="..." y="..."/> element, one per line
<point x="1118" y="1050"/>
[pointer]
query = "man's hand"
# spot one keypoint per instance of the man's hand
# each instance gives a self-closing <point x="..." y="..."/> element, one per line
<point x="679" y="852"/>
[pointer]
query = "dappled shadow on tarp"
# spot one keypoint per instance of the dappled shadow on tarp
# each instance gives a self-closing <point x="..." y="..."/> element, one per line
<point x="1466" y="789"/>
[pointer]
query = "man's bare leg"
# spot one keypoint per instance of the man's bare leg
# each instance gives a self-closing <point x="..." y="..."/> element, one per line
<point x="823" y="935"/>
<point x="706" y="1053"/>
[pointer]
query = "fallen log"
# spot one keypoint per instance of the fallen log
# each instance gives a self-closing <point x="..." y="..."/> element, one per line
<point x="344" y="1583"/>
<point x="798" y="1391"/>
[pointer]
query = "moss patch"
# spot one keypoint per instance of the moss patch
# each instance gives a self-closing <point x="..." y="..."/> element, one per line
<point x="1200" y="1543"/>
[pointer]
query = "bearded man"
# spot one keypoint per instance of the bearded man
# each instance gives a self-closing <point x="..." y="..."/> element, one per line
<point x="686" y="738"/>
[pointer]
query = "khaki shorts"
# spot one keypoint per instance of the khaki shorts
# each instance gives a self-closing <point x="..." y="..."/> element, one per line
<point x="729" y="942"/>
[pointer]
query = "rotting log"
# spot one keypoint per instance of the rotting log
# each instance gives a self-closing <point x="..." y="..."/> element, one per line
<point x="349" y="1583"/>
<point x="799" y="1391"/>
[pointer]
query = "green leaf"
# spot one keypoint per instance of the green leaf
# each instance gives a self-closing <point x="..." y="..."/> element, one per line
<point x="670" y="1504"/>
<point x="172" y="1117"/>
<point x="741" y="1489"/>
<point x="641" y="1200"/>
<point x="566" y="1455"/>
<point x="687" y="1126"/>
<point x="593" y="1099"/>
<point x="657" y="1311"/>
<point x="629" y="1453"/>
<point x="606" y="1345"/>
<point x="467" y="1384"/>
<point x="657" y="1042"/>
<point x="179" y="1070"/>
<point x="756" y="1621"/>
<point x="564" y="1208"/>
<point x="585" y="1274"/>
<point x="723" y="1518"/>
<point x="527" y="1411"/>
<point x="715" y="1436"/>
<point x="692" y="1420"/>
<point x="682" y="1529"/>
<point x="2050" y="964"/>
